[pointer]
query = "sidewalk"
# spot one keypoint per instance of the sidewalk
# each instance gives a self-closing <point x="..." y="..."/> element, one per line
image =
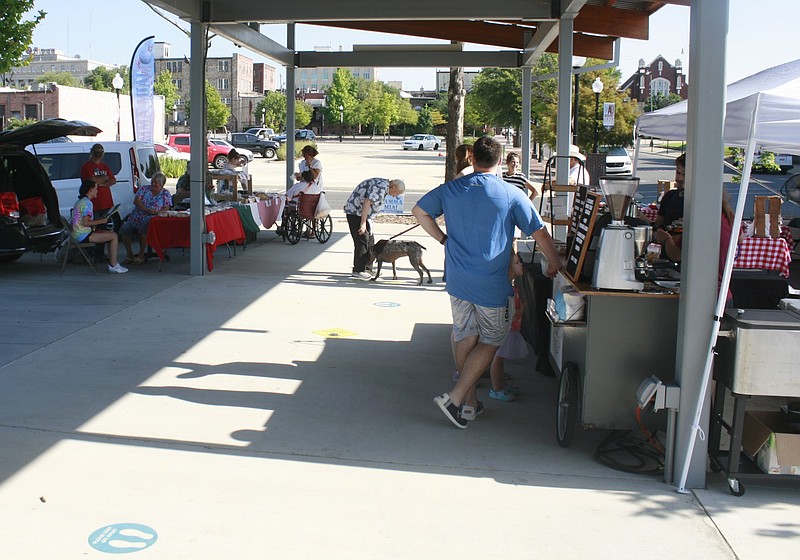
<point x="278" y="408"/>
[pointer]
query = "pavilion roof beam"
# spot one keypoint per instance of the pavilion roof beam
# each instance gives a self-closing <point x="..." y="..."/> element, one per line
<point x="243" y="35"/>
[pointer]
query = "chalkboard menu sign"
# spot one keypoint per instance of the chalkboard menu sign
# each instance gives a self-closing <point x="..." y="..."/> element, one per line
<point x="584" y="215"/>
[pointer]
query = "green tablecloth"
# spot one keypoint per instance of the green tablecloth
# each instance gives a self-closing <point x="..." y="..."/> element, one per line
<point x="246" y="214"/>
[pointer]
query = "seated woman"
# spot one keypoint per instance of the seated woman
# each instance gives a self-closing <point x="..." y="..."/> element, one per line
<point x="306" y="185"/>
<point x="82" y="223"/>
<point x="149" y="202"/>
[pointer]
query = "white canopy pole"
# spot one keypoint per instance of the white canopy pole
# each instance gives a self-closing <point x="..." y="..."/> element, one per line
<point x="721" y="299"/>
<point x="636" y="149"/>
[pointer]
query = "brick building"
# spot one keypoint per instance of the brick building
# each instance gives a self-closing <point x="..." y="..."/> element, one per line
<point x="658" y="77"/>
<point x="50" y="60"/>
<point x="95" y="107"/>
<point x="238" y="80"/>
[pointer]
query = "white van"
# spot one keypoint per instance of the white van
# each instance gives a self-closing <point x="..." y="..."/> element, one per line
<point x="133" y="164"/>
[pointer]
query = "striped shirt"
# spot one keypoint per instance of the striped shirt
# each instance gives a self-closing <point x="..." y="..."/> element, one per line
<point x="517" y="179"/>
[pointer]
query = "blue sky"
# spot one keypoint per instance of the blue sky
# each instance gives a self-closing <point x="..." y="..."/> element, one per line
<point x="108" y="31"/>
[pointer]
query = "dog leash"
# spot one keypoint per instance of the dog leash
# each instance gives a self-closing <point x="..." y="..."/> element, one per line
<point x="402" y="232"/>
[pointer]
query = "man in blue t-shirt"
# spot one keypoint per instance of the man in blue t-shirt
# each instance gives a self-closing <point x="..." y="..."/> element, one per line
<point x="481" y="212"/>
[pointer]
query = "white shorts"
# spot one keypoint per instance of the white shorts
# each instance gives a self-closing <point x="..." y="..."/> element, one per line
<point x="489" y="324"/>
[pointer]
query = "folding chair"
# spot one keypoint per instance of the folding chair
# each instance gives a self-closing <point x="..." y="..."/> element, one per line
<point x="70" y="243"/>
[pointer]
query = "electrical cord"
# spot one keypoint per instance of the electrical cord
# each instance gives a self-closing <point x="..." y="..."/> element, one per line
<point x="631" y="451"/>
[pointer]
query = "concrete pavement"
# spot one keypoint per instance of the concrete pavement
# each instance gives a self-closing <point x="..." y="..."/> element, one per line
<point x="278" y="408"/>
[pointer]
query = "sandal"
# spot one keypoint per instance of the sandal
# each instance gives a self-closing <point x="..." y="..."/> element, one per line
<point x="127" y="261"/>
<point x="137" y="260"/>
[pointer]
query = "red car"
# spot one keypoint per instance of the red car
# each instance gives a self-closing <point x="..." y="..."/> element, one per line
<point x="217" y="155"/>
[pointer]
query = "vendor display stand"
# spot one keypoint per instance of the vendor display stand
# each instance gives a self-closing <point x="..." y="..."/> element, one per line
<point x="624" y="338"/>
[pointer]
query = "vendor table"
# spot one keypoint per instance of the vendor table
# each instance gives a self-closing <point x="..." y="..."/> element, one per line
<point x="764" y="253"/>
<point x="625" y="338"/>
<point x="166" y="232"/>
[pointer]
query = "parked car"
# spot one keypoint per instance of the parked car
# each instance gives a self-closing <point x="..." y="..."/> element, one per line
<point x="266" y="148"/>
<point x="217" y="155"/>
<point x="242" y="151"/>
<point x="263" y="133"/>
<point x="168" y="151"/>
<point x="29" y="217"/>
<point x="618" y="162"/>
<point x="421" y="142"/>
<point x="133" y="164"/>
<point x="303" y="134"/>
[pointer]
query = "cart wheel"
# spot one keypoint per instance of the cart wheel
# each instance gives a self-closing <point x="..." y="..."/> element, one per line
<point x="568" y="404"/>
<point x="293" y="229"/>
<point x="736" y="487"/>
<point x="323" y="229"/>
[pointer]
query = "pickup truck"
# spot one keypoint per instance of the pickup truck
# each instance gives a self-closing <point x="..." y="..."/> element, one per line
<point x="217" y="155"/>
<point x="266" y="148"/>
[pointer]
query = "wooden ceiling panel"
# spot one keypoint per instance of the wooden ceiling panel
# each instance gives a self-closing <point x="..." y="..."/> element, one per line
<point x="481" y="33"/>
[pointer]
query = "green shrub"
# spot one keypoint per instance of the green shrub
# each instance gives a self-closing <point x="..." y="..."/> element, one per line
<point x="172" y="168"/>
<point x="298" y="148"/>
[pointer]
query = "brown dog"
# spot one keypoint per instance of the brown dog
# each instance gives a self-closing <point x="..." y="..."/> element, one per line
<point x="389" y="251"/>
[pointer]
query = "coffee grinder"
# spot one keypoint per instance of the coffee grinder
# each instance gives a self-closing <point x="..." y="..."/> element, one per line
<point x="614" y="262"/>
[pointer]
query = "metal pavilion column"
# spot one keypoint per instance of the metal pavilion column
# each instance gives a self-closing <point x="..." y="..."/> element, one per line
<point x="565" y="27"/>
<point x="199" y="153"/>
<point x="290" y="102"/>
<point x="704" y="176"/>
<point x="525" y="129"/>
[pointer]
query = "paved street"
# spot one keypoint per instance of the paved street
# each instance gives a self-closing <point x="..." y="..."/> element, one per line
<point x="349" y="162"/>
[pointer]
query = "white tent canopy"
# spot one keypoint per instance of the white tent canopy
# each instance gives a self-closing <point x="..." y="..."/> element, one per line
<point x="775" y="95"/>
<point x="761" y="110"/>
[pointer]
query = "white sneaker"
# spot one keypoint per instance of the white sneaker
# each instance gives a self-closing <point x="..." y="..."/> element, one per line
<point x="117" y="269"/>
<point x="362" y="275"/>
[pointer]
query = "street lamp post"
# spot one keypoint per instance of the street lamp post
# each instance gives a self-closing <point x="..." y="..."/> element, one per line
<point x="341" y="121"/>
<point x="117" y="84"/>
<point x="264" y="117"/>
<point x="577" y="62"/>
<point x="174" y="117"/>
<point x="597" y="88"/>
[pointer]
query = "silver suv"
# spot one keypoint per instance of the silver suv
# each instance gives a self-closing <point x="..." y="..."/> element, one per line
<point x="29" y="217"/>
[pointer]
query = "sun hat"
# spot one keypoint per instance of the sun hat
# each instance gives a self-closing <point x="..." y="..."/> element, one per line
<point x="575" y="152"/>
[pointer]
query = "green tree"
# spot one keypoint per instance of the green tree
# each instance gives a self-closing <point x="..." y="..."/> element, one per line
<point x="496" y="95"/>
<point x="101" y="79"/>
<point x="425" y="120"/>
<point x="16" y="34"/>
<point x="273" y="109"/>
<point x="164" y="86"/>
<point x="14" y="122"/>
<point x="342" y="93"/>
<point x="303" y="112"/>
<point x="61" y="78"/>
<point x="217" y="113"/>
<point x="624" y="118"/>
<point x="659" y="101"/>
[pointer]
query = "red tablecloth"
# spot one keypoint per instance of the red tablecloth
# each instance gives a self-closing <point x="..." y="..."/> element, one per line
<point x="764" y="253"/>
<point x="786" y="233"/>
<point x="164" y="232"/>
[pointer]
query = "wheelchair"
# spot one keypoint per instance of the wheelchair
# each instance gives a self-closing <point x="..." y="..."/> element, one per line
<point x="299" y="217"/>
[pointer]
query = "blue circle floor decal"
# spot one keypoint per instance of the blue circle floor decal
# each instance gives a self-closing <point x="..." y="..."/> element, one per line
<point x="121" y="538"/>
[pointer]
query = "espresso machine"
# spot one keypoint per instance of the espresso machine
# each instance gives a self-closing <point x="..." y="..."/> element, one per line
<point x="614" y="267"/>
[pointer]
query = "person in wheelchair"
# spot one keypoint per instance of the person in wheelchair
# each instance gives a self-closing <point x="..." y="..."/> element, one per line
<point x="306" y="185"/>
